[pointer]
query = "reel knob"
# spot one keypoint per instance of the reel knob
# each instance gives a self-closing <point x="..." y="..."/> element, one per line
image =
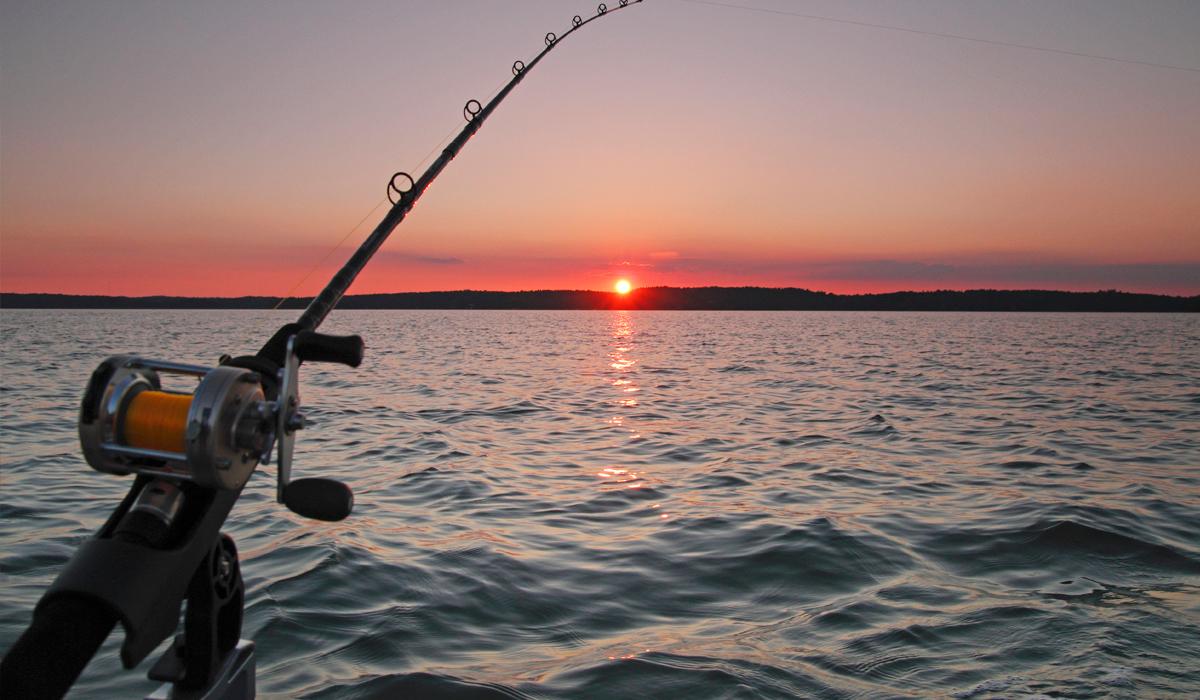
<point x="319" y="498"/>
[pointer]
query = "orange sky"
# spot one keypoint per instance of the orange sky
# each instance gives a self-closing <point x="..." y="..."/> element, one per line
<point x="207" y="150"/>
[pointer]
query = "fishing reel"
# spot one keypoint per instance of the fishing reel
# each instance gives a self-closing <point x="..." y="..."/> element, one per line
<point x="216" y="435"/>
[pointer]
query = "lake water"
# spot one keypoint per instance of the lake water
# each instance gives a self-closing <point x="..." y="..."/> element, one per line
<point x="679" y="504"/>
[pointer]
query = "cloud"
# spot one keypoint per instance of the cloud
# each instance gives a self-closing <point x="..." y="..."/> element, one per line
<point x="407" y="259"/>
<point x="846" y="275"/>
<point x="878" y="270"/>
<point x="1114" y="275"/>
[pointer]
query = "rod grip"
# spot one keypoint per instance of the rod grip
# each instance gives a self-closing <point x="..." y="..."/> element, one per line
<point x="318" y="347"/>
<point x="50" y="655"/>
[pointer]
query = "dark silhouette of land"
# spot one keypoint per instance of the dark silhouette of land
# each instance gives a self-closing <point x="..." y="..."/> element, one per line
<point x="660" y="298"/>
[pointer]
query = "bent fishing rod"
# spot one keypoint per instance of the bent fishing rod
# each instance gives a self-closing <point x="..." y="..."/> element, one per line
<point x="191" y="455"/>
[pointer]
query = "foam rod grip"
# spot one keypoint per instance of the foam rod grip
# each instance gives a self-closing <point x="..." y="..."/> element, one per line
<point x="45" y="661"/>
<point x="317" y="347"/>
<point x="319" y="499"/>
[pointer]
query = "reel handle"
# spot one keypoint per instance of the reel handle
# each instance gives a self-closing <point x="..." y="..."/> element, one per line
<point x="316" y="498"/>
<point x="317" y="347"/>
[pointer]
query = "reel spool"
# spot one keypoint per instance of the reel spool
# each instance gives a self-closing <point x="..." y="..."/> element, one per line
<point x="214" y="437"/>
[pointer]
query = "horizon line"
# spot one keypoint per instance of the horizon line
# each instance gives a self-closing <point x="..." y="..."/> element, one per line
<point x="608" y="292"/>
<point x="631" y="291"/>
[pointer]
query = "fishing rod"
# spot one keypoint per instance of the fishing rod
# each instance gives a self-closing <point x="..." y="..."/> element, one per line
<point x="475" y="114"/>
<point x="192" y="454"/>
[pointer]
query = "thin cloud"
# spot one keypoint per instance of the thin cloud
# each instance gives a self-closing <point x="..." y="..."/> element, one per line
<point x="406" y="259"/>
<point x="1168" y="274"/>
<point x="900" y="274"/>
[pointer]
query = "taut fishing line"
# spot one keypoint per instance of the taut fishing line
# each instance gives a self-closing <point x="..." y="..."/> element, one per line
<point x="578" y="22"/>
<point x="941" y="34"/>
<point x="518" y="69"/>
<point x="308" y="274"/>
<point x="192" y="454"/>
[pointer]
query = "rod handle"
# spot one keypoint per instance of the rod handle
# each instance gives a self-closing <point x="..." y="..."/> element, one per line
<point x="49" y="656"/>
<point x="318" y="347"/>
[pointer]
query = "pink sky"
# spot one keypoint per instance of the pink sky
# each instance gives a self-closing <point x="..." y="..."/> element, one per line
<point x="202" y="149"/>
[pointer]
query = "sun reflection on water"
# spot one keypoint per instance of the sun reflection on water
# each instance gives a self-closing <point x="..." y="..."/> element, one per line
<point x="616" y="475"/>
<point x="620" y="359"/>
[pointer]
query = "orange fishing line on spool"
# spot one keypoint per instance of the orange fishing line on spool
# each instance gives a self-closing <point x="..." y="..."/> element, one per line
<point x="156" y="420"/>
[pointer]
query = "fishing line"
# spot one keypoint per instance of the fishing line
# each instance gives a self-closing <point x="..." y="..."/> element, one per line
<point x="577" y="22"/>
<point x="475" y="114"/>
<point x="340" y="243"/>
<point x="193" y="454"/>
<point x="946" y="36"/>
<point x="406" y="198"/>
<point x="305" y="277"/>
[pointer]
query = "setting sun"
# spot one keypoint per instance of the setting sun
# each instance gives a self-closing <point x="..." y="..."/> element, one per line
<point x="622" y="286"/>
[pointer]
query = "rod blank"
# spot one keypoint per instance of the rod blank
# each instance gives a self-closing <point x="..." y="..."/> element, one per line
<point x="324" y="302"/>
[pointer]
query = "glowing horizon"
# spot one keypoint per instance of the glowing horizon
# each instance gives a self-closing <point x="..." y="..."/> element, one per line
<point x="706" y="147"/>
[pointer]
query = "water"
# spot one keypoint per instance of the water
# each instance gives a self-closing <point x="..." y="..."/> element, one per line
<point x="681" y="504"/>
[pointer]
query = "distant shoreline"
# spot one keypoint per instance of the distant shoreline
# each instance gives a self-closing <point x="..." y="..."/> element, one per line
<point x="659" y="299"/>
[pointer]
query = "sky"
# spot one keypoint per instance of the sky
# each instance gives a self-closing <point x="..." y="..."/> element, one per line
<point x="225" y="149"/>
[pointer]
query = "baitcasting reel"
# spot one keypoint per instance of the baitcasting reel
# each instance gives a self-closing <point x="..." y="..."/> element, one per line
<point x="215" y="436"/>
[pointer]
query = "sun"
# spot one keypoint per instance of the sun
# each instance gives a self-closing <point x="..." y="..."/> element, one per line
<point x="622" y="286"/>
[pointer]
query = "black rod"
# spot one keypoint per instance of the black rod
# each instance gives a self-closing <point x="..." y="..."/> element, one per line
<point x="324" y="302"/>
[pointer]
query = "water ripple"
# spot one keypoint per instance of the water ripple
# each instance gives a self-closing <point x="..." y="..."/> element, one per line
<point x="681" y="505"/>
